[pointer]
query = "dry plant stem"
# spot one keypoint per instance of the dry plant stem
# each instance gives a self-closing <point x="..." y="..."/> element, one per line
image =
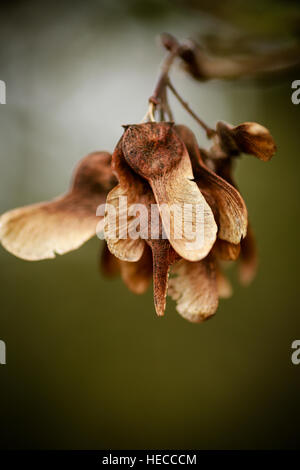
<point x="149" y="114"/>
<point x="159" y="96"/>
<point x="161" y="84"/>
<point x="165" y="107"/>
<point x="209" y="132"/>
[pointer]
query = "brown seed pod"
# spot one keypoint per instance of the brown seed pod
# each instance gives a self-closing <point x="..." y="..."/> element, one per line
<point x="163" y="257"/>
<point x="156" y="153"/>
<point x="132" y="252"/>
<point x="248" y="137"/>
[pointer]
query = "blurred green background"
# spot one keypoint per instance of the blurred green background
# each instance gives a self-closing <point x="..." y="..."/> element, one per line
<point x="89" y="365"/>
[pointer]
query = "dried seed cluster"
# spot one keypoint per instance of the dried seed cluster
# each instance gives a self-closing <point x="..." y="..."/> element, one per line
<point x="161" y="162"/>
<point x="155" y="164"/>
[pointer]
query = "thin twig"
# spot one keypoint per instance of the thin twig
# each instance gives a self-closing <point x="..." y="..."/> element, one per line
<point x="209" y="131"/>
<point x="159" y="98"/>
<point x="163" y="76"/>
<point x="165" y="104"/>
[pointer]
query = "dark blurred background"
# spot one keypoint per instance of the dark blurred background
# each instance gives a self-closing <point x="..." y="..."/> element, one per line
<point x="88" y="363"/>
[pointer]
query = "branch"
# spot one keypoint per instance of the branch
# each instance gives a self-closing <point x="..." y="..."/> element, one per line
<point x="209" y="131"/>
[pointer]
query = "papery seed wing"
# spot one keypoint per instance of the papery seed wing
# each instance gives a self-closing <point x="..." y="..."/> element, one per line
<point x="187" y="218"/>
<point x="228" y="203"/>
<point x="137" y="276"/>
<point x="248" y="137"/>
<point x="42" y="230"/>
<point x="226" y="251"/>
<point x="109" y="265"/>
<point x="195" y="289"/>
<point x="117" y="224"/>
<point x="156" y="153"/>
